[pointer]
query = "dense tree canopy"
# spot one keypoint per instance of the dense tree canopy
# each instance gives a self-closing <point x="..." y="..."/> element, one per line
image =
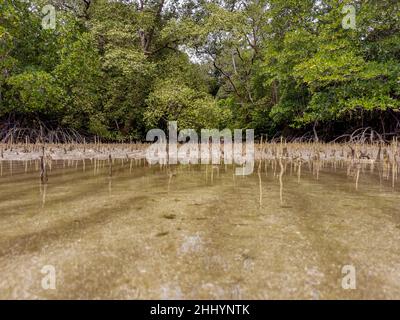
<point x="118" y="68"/>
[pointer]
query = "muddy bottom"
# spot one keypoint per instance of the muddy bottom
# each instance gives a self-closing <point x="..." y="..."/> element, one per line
<point x="197" y="232"/>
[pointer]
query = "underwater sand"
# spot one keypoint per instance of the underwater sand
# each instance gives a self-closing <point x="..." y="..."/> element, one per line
<point x="196" y="232"/>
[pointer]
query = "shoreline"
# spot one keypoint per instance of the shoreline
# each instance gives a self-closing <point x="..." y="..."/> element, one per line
<point x="365" y="153"/>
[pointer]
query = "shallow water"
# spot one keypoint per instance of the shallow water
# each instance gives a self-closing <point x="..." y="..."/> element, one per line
<point x="197" y="232"/>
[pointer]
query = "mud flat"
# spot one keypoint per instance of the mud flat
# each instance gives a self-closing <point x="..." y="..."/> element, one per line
<point x="24" y="152"/>
<point x="361" y="153"/>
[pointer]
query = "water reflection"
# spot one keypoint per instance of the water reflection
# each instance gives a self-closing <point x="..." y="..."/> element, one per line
<point x="278" y="167"/>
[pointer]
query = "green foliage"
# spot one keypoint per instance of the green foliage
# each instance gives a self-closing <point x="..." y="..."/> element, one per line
<point x="326" y="72"/>
<point x="80" y="74"/>
<point x="118" y="68"/>
<point x="34" y="92"/>
<point x="171" y="101"/>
